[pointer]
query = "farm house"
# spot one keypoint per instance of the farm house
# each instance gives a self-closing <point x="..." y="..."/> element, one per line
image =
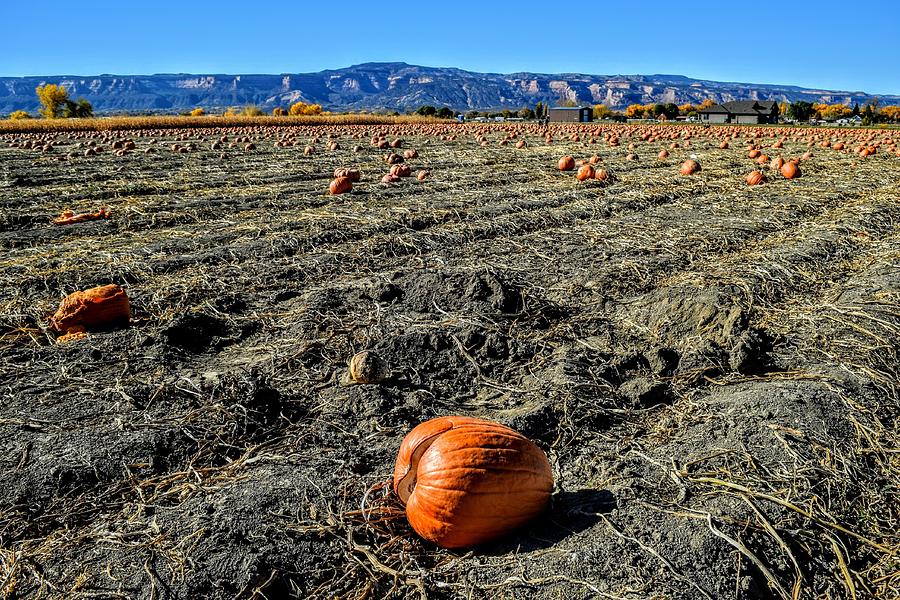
<point x="571" y="114"/>
<point x="742" y="112"/>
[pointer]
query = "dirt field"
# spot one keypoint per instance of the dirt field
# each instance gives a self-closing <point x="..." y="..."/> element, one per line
<point x="711" y="367"/>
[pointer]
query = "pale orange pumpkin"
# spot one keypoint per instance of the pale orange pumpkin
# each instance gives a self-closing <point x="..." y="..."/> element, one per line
<point x="467" y="481"/>
<point x="401" y="171"/>
<point x="689" y="167"/>
<point x="353" y="175"/>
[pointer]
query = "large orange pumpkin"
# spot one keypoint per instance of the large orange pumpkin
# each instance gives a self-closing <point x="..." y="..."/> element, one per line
<point x="467" y="481"/>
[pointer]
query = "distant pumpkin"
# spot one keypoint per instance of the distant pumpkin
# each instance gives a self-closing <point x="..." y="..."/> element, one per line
<point x="585" y="172"/>
<point x="340" y="185"/>
<point x="689" y="167"/>
<point x="756" y="178"/>
<point x="790" y="170"/>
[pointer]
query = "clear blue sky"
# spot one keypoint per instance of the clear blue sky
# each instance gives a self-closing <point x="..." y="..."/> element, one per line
<point x="833" y="45"/>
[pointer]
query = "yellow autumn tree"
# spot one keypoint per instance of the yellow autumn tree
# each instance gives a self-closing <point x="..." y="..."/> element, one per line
<point x="634" y="111"/>
<point x="53" y="99"/>
<point x="302" y="108"/>
<point x="684" y="109"/>
<point x="708" y="103"/>
<point x="198" y="112"/>
<point x="833" y="112"/>
<point x="891" y="112"/>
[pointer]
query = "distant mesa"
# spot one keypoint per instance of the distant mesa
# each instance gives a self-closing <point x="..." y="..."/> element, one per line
<point x="401" y="87"/>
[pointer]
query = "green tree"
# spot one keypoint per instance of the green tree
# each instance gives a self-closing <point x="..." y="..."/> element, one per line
<point x="669" y="109"/>
<point x="473" y="114"/>
<point x="80" y="109"/>
<point x="855" y="112"/>
<point x="539" y="110"/>
<point x="868" y="115"/>
<point x="52" y="98"/>
<point x="526" y="113"/>
<point x="444" y="113"/>
<point x="426" y="111"/>
<point x="278" y="112"/>
<point x="800" y="110"/>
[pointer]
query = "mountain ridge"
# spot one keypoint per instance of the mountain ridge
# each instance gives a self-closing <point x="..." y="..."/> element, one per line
<point x="400" y="86"/>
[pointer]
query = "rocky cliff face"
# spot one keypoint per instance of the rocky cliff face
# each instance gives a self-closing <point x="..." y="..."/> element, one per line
<point x="397" y="86"/>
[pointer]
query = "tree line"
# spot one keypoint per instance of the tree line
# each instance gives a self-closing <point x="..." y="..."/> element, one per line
<point x="55" y="104"/>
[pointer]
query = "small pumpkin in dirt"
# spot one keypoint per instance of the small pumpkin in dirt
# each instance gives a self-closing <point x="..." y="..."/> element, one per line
<point x="585" y="172"/>
<point x="423" y="174"/>
<point x="689" y="167"/>
<point x="756" y="178"/>
<point x="340" y="185"/>
<point x="663" y="154"/>
<point x="467" y="481"/>
<point x="601" y="174"/>
<point x="368" y="367"/>
<point x="94" y="308"/>
<point x="790" y="170"/>
<point x="566" y="163"/>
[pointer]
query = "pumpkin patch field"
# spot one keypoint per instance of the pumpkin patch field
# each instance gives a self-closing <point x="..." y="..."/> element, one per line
<point x="661" y="361"/>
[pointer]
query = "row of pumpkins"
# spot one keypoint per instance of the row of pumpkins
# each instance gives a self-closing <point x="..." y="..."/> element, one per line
<point x="464" y="481"/>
